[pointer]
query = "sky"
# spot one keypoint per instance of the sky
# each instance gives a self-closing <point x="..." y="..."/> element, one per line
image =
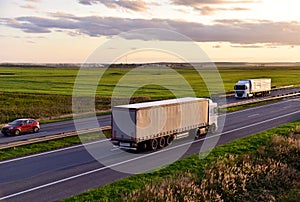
<point x="69" y="31"/>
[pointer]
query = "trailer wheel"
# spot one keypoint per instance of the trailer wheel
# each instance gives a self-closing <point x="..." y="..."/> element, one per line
<point x="162" y="142"/>
<point x="153" y="144"/>
<point x="197" y="134"/>
<point x="201" y="132"/>
<point x="168" y="140"/>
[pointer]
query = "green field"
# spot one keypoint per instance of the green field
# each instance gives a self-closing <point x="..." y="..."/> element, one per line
<point x="47" y="92"/>
<point x="61" y="80"/>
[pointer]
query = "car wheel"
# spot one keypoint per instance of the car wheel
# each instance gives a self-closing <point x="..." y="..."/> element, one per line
<point x="17" y="132"/>
<point x="36" y="129"/>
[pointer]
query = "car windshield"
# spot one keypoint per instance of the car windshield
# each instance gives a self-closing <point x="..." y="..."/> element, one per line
<point x="15" y="123"/>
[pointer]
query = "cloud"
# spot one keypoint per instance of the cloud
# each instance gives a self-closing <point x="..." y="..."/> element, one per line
<point x="234" y="31"/>
<point x="27" y="6"/>
<point x="217" y="46"/>
<point x="210" y="7"/>
<point x="135" y="5"/>
<point x="36" y="1"/>
<point x="207" y="10"/>
<point x="195" y="3"/>
<point x="247" y="46"/>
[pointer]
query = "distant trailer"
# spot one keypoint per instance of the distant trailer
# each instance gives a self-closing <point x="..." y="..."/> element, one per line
<point x="153" y="125"/>
<point x="252" y="87"/>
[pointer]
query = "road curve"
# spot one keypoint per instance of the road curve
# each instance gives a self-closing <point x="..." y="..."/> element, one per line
<point x="55" y="175"/>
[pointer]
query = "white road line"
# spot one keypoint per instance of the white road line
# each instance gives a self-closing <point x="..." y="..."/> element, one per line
<point x="253" y="115"/>
<point x="258" y="107"/>
<point x="265" y="121"/>
<point x="53" y="151"/>
<point x="115" y="148"/>
<point x="133" y="159"/>
<point x="285" y="107"/>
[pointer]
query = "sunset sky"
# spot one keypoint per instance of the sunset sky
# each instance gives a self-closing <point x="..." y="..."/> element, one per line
<point x="68" y="31"/>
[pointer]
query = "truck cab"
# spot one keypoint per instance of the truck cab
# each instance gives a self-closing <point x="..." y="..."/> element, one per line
<point x="213" y="116"/>
<point x="252" y="88"/>
<point x="242" y="89"/>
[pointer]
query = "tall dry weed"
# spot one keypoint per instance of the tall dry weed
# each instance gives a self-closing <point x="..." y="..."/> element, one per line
<point x="285" y="149"/>
<point x="182" y="188"/>
<point x="263" y="176"/>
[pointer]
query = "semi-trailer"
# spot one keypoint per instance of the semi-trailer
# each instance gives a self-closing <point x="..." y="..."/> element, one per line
<point x="252" y="87"/>
<point x="153" y="125"/>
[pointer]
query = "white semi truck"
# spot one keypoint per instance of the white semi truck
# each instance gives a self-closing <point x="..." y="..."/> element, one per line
<point x="252" y="87"/>
<point x="153" y="125"/>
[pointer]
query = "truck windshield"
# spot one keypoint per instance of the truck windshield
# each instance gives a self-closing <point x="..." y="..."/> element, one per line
<point x="240" y="87"/>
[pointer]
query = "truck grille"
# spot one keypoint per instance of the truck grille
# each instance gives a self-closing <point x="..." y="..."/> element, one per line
<point x="239" y="94"/>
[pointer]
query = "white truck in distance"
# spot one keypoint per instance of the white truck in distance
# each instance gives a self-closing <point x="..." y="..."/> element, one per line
<point x="252" y="87"/>
<point x="153" y="125"/>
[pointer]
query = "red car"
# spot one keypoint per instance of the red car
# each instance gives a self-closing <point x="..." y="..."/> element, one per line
<point x="21" y="126"/>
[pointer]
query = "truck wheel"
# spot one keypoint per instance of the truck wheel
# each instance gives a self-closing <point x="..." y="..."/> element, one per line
<point x="17" y="132"/>
<point x="153" y="144"/>
<point x="168" y="140"/>
<point x="142" y="146"/>
<point x="162" y="142"/>
<point x="200" y="132"/>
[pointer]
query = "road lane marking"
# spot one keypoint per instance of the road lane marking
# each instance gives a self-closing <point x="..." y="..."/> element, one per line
<point x="140" y="157"/>
<point x="54" y="151"/>
<point x="253" y="115"/>
<point x="285" y="107"/>
<point x="258" y="107"/>
<point x="115" y="148"/>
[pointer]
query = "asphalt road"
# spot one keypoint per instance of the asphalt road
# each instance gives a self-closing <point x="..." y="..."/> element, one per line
<point x="59" y="128"/>
<point x="55" y="175"/>
<point x="86" y="123"/>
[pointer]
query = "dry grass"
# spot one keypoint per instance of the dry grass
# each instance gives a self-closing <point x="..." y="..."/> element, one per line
<point x="262" y="176"/>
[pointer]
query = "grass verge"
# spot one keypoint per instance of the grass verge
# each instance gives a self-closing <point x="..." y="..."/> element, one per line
<point x="119" y="190"/>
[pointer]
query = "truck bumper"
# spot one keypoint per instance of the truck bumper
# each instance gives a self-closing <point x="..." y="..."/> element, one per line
<point x="124" y="145"/>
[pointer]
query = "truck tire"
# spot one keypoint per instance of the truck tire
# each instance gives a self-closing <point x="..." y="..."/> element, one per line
<point x="201" y="132"/>
<point x="162" y="142"/>
<point x="153" y="144"/>
<point x="197" y="134"/>
<point x="169" y="139"/>
<point x="142" y="146"/>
